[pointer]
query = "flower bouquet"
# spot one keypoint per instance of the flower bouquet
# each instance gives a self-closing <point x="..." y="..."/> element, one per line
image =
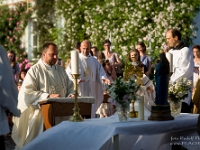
<point x="122" y="92"/>
<point x="177" y="92"/>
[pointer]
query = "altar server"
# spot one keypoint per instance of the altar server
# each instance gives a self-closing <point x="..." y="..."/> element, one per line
<point x="44" y="80"/>
<point x="183" y="64"/>
<point x="91" y="76"/>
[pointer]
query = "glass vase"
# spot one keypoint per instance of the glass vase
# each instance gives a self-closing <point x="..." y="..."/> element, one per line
<point x="123" y="113"/>
<point x="175" y="108"/>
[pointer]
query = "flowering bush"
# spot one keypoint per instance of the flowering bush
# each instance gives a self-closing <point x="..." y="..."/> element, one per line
<point x="25" y="64"/>
<point x="123" y="91"/>
<point x="128" y="21"/>
<point x="13" y="21"/>
<point x="179" y="90"/>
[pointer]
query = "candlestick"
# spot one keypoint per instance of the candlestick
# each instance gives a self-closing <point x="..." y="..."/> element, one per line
<point x="141" y="108"/>
<point x="133" y="113"/>
<point x="170" y="59"/>
<point x="76" y="117"/>
<point x="74" y="62"/>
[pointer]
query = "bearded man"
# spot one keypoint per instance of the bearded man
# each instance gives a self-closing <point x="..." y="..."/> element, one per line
<point x="44" y="80"/>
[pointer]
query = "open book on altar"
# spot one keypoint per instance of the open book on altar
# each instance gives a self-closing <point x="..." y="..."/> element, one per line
<point x="68" y="100"/>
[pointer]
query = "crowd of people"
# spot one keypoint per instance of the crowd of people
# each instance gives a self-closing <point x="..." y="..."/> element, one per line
<point x="51" y="77"/>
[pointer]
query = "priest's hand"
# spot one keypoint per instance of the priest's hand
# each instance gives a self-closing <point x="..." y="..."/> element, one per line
<point x="106" y="81"/>
<point x="80" y="80"/>
<point x="150" y="89"/>
<point x="72" y="95"/>
<point x="54" y="96"/>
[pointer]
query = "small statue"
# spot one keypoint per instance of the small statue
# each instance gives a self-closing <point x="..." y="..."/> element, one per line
<point x="162" y="80"/>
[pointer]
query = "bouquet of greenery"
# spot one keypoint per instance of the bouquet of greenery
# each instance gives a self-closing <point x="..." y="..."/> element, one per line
<point x="179" y="90"/>
<point x="123" y="91"/>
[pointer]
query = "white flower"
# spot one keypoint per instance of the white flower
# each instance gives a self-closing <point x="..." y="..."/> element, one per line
<point x="179" y="90"/>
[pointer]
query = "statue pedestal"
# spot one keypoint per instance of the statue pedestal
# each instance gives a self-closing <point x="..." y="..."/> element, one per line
<point x="160" y="113"/>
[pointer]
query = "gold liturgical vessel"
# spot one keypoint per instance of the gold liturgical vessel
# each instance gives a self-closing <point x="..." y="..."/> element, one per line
<point x="76" y="116"/>
<point x="133" y="71"/>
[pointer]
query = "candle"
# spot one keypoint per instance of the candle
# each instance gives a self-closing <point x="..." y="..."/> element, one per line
<point x="170" y="59"/>
<point x="150" y="42"/>
<point x="110" y="41"/>
<point x="141" y="108"/>
<point x="74" y="62"/>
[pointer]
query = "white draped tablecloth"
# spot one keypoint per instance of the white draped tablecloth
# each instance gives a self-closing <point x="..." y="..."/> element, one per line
<point x="134" y="134"/>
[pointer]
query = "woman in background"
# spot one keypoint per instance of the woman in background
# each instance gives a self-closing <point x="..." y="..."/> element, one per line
<point x="196" y="81"/>
<point x="196" y="53"/>
<point x="113" y="57"/>
<point x="14" y="65"/>
<point x="144" y="58"/>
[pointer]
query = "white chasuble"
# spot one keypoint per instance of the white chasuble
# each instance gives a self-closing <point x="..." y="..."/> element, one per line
<point x="40" y="81"/>
<point x="92" y="76"/>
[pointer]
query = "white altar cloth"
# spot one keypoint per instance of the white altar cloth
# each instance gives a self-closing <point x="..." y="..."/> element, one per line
<point x="95" y="134"/>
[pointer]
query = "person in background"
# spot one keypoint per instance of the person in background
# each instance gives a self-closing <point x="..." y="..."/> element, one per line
<point x="22" y="74"/>
<point x="113" y="57"/>
<point x="14" y="65"/>
<point x="95" y="51"/>
<point x="45" y="79"/>
<point x="110" y="71"/>
<point x="137" y="69"/>
<point x="196" y="80"/>
<point x="144" y="58"/>
<point x="101" y="57"/>
<point x="91" y="76"/>
<point x="183" y="64"/>
<point x="107" y="108"/>
<point x="19" y="85"/>
<point x="60" y="62"/>
<point x="77" y="46"/>
<point x="196" y="53"/>
<point x="8" y="94"/>
<point x="67" y="62"/>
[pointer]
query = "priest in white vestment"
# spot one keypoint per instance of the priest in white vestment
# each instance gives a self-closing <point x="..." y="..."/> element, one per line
<point x="183" y="64"/>
<point x="8" y="95"/>
<point x="44" y="80"/>
<point x="91" y="76"/>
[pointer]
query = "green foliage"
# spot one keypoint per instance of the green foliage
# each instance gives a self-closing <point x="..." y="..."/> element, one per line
<point x="127" y="21"/>
<point x="12" y="27"/>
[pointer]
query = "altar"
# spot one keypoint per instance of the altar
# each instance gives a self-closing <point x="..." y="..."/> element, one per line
<point x="134" y="134"/>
